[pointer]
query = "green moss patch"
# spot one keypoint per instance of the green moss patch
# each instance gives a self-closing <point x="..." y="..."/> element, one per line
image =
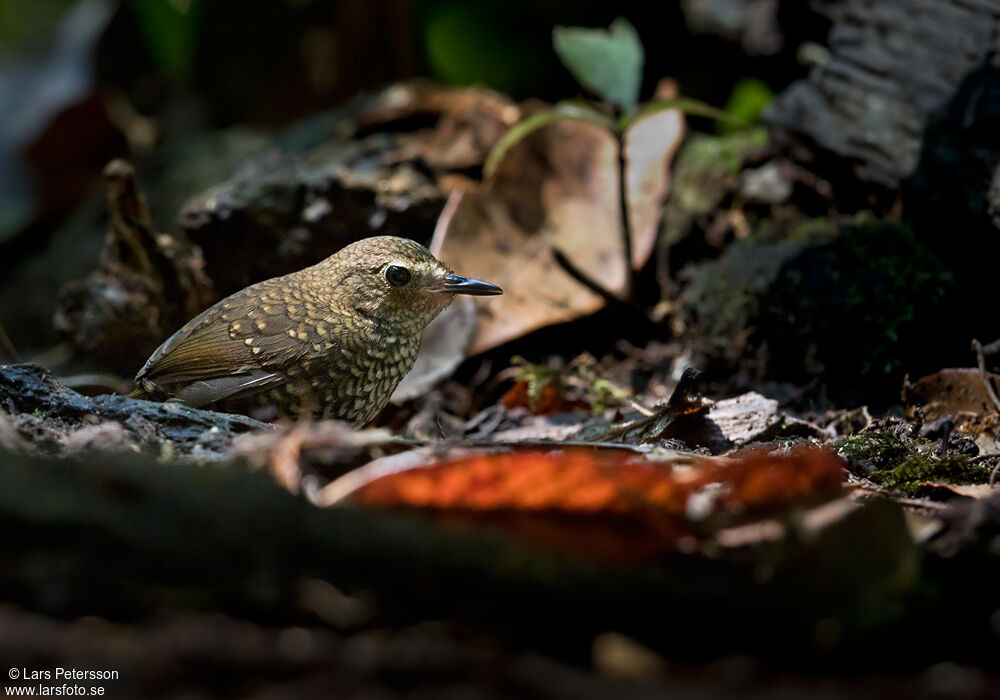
<point x="902" y="465"/>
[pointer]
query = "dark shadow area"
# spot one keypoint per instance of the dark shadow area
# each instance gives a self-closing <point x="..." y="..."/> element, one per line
<point x="953" y="202"/>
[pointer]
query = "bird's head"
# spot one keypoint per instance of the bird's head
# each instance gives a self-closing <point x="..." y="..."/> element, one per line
<point x="398" y="282"/>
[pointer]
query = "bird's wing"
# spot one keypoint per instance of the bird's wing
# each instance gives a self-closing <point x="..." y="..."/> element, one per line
<point x="243" y="345"/>
<point x="206" y="391"/>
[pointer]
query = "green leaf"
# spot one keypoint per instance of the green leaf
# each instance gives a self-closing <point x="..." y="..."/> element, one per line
<point x="462" y="41"/>
<point x="695" y="108"/>
<point x="748" y="100"/>
<point x="516" y="133"/>
<point x="170" y="31"/>
<point x="608" y="63"/>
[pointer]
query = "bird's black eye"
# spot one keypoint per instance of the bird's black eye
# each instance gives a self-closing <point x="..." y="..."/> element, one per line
<point x="397" y="276"/>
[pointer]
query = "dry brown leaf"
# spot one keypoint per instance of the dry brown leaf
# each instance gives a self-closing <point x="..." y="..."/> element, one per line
<point x="469" y="121"/>
<point x="558" y="187"/>
<point x="950" y="391"/>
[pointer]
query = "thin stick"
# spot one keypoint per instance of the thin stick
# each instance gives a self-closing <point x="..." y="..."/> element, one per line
<point x="628" y="299"/>
<point x="644" y="410"/>
<point x="981" y="361"/>
<point x="626" y="225"/>
<point x="584" y="279"/>
<point x="444" y="221"/>
<point x="682" y="395"/>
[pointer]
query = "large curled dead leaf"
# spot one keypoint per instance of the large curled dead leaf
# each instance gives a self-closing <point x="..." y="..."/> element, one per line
<point x="468" y="122"/>
<point x="558" y="188"/>
<point x="605" y="502"/>
<point x="966" y="398"/>
<point x="951" y="392"/>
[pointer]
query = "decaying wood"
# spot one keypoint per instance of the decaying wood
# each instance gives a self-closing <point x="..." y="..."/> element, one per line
<point x="49" y="416"/>
<point x="147" y="283"/>
<point x="893" y="64"/>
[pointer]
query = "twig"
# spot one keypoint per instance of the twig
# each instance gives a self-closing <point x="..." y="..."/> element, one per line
<point x="8" y="346"/>
<point x="626" y="223"/>
<point x="684" y="394"/>
<point x="628" y="298"/>
<point x="642" y="409"/>
<point x="981" y="361"/>
<point x="584" y="279"/>
<point x="444" y="221"/>
<point x="486" y="443"/>
<point x="597" y="288"/>
<point x="548" y="444"/>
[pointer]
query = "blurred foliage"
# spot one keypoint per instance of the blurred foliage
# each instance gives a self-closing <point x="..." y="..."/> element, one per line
<point x="747" y="102"/>
<point x="170" y="31"/>
<point x="243" y="55"/>
<point x="466" y="44"/>
<point x="715" y="155"/>
<point x="608" y="63"/>
<point x="22" y="21"/>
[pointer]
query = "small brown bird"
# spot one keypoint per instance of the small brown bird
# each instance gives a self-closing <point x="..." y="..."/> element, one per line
<point x="333" y="339"/>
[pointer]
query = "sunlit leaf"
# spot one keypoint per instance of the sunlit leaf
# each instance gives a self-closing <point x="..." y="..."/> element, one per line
<point x="605" y="501"/>
<point x="603" y="480"/>
<point x="606" y="62"/>
<point x="651" y="142"/>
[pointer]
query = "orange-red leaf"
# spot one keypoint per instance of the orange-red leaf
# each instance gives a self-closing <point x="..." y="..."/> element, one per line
<point x="610" y="502"/>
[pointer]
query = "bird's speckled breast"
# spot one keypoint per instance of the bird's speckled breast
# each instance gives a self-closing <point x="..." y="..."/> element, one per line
<point x="349" y="383"/>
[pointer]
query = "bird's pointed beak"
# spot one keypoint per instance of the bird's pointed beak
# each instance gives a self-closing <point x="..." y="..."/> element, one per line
<point x="456" y="284"/>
